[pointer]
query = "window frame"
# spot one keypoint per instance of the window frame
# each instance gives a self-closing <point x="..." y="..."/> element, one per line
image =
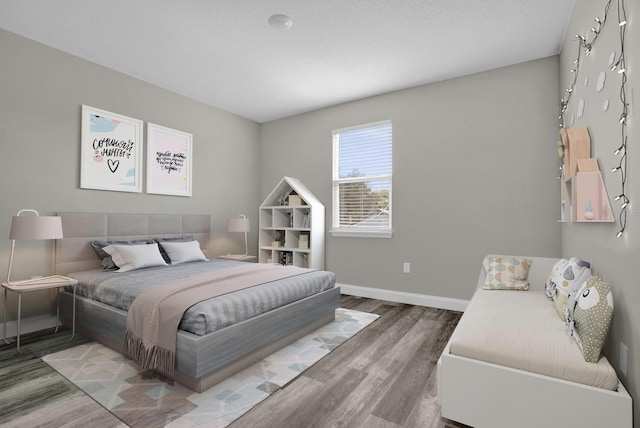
<point x="359" y="232"/>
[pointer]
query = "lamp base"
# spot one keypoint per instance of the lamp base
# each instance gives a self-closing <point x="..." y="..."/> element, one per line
<point x="235" y="256"/>
<point x="239" y="257"/>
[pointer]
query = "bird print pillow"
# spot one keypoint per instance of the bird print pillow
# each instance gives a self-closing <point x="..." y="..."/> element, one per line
<point x="592" y="318"/>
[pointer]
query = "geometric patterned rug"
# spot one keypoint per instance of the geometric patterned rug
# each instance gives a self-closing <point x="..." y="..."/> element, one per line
<point x="114" y="382"/>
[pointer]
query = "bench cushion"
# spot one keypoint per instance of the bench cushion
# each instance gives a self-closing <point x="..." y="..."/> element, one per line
<point x="521" y="330"/>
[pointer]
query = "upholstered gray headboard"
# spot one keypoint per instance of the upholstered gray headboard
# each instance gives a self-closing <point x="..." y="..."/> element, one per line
<point x="74" y="252"/>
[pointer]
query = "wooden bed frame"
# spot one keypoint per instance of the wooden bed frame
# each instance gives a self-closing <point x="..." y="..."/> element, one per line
<point x="201" y="361"/>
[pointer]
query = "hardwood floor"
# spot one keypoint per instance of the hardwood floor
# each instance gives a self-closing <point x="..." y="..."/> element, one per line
<point x="32" y="394"/>
<point x="383" y="377"/>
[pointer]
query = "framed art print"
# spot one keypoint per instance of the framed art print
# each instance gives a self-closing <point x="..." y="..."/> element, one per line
<point x="168" y="161"/>
<point x="111" y="151"/>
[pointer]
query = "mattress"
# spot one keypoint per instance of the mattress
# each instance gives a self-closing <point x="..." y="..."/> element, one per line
<point x="119" y="289"/>
<point x="522" y="330"/>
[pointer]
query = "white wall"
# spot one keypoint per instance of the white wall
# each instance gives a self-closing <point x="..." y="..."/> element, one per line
<point x="41" y="94"/>
<point x="616" y="260"/>
<point x="474" y="173"/>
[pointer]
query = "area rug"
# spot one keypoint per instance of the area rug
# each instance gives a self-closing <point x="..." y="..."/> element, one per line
<point x="113" y="381"/>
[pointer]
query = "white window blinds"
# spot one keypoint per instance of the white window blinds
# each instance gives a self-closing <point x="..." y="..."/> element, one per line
<point x="362" y="173"/>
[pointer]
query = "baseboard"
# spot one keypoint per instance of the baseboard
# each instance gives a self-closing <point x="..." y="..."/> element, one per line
<point x="31" y="324"/>
<point x="404" y="297"/>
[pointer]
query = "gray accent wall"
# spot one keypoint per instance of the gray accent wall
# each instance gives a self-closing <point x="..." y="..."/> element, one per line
<point x="42" y="91"/>
<point x="474" y="168"/>
<point x="616" y="260"/>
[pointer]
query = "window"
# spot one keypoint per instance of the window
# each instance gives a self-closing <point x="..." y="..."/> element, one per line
<point x="362" y="181"/>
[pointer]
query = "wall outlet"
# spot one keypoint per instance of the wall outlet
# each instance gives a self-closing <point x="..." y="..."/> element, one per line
<point x="406" y="267"/>
<point x="624" y="358"/>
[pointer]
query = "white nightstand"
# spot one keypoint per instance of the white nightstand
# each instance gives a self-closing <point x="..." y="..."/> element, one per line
<point x="20" y="287"/>
<point x="239" y="257"/>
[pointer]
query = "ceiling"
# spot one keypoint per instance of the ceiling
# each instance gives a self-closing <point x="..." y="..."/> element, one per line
<point x="225" y="54"/>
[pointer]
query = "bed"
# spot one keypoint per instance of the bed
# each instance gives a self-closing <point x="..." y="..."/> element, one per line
<point x="510" y="363"/>
<point x="202" y="358"/>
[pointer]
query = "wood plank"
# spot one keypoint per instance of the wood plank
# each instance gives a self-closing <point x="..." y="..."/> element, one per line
<point x="345" y="353"/>
<point x="356" y="409"/>
<point x="383" y="369"/>
<point x="361" y="304"/>
<point x="389" y="337"/>
<point x="279" y="409"/>
<point x="76" y="410"/>
<point x="426" y="412"/>
<point x="384" y="366"/>
<point x="376" y="422"/>
<point x="33" y="394"/>
<point x="315" y="413"/>
<point x="408" y="384"/>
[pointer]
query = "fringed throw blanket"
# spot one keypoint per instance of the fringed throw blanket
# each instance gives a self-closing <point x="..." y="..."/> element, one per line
<point x="154" y="316"/>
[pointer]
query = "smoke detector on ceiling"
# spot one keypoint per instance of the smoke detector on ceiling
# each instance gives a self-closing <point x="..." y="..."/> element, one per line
<point x="280" y="22"/>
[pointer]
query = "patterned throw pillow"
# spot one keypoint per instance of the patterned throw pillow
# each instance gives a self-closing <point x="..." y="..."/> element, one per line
<point x="556" y="272"/>
<point x="506" y="273"/>
<point x="567" y="281"/>
<point x="592" y="318"/>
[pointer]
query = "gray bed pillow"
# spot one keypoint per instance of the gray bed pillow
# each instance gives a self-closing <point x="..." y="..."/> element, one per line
<point x="107" y="262"/>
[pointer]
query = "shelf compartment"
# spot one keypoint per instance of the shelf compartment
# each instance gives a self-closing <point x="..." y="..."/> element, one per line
<point x="266" y="217"/>
<point x="282" y="217"/>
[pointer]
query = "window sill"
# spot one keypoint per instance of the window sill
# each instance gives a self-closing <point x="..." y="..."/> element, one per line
<point x="353" y="233"/>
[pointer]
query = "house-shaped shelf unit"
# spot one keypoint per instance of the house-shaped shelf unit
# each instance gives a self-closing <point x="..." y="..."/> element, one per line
<point x="292" y="226"/>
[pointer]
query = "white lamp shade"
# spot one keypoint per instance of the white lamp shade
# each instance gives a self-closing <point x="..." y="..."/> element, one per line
<point x="35" y="227"/>
<point x="238" y="224"/>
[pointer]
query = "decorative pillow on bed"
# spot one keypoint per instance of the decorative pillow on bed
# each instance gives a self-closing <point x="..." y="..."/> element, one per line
<point x="182" y="252"/>
<point x="568" y="282"/>
<point x="107" y="261"/>
<point x="130" y="257"/>
<point x="592" y="318"/>
<point x="178" y="239"/>
<point x="556" y="272"/>
<point x="506" y="273"/>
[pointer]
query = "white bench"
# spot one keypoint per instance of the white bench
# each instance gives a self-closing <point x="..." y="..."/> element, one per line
<point x="483" y="394"/>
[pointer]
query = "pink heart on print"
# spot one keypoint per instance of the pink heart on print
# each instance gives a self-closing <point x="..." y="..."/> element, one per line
<point x="113" y="164"/>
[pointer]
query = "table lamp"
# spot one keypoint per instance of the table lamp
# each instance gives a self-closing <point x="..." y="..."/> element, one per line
<point x="33" y="227"/>
<point x="240" y="224"/>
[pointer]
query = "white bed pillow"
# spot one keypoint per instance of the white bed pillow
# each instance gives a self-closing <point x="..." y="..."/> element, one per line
<point x="182" y="252"/>
<point x="131" y="257"/>
<point x="107" y="261"/>
<point x="174" y="239"/>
